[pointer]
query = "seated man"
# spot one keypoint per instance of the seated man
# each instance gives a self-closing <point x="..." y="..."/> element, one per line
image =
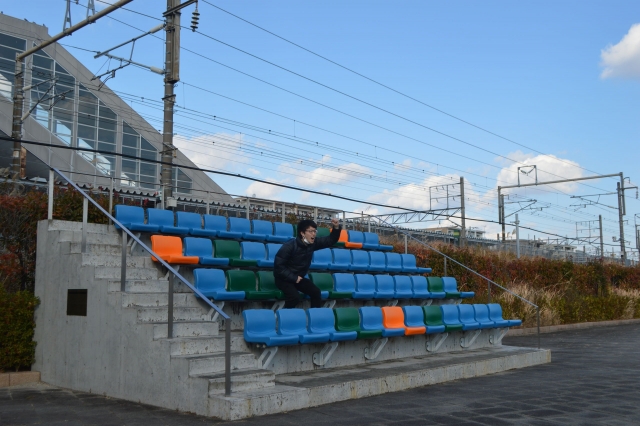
<point x="294" y="258"/>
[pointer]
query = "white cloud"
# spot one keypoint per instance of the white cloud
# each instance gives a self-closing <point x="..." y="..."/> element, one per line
<point x="416" y="196"/>
<point x="322" y="176"/>
<point x="549" y="168"/>
<point x="623" y="59"/>
<point x="253" y="171"/>
<point x="263" y="190"/>
<point x="220" y="151"/>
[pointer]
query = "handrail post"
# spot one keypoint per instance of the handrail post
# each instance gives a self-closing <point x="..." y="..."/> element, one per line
<point x="85" y="219"/>
<point x="405" y="244"/>
<point x="538" y="315"/>
<point x="170" y="307"/>
<point x="227" y="357"/>
<point x="488" y="291"/>
<point x="445" y="267"/>
<point x="123" y="266"/>
<point x="111" y="200"/>
<point x="50" y="201"/>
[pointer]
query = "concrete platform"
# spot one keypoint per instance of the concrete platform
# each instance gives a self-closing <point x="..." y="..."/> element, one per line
<point x="310" y="389"/>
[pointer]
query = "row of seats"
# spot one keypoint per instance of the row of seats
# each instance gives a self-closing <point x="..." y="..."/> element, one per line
<point x="320" y="325"/>
<point x="214" y="226"/>
<point x="237" y="284"/>
<point x="204" y="251"/>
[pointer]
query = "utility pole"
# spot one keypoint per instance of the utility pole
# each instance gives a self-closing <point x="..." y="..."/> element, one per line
<point x="601" y="240"/>
<point x="517" y="237"/>
<point x="463" y="231"/>
<point x="501" y="211"/>
<point x="623" y="254"/>
<point x="19" y="160"/>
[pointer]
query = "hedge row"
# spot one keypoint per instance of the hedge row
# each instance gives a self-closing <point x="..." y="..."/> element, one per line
<point x="17" y="348"/>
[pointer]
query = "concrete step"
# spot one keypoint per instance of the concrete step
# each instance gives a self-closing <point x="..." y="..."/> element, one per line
<point x="206" y="344"/>
<point x="148" y="286"/>
<point x="114" y="250"/>
<point x="103" y="259"/>
<point x="214" y="363"/>
<point x="107" y="272"/>
<point x="111" y="239"/>
<point x="184" y="300"/>
<point x="241" y="380"/>
<point x="146" y="315"/>
<point x="186" y="329"/>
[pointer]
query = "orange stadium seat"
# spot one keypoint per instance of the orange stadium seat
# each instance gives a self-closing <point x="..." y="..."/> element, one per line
<point x="170" y="250"/>
<point x="393" y="317"/>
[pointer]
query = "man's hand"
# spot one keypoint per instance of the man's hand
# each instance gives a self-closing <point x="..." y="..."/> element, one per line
<point x="298" y="280"/>
<point x="335" y="223"/>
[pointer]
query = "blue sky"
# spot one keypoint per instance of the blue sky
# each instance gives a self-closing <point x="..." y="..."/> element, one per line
<point x="531" y="72"/>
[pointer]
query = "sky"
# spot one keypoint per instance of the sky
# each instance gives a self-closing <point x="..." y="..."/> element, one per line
<point x="391" y="101"/>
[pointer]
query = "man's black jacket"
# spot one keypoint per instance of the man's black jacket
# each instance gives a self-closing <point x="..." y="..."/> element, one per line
<point x="294" y="257"/>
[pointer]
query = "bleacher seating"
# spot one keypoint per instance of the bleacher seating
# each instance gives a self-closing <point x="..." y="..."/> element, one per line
<point x="322" y="320"/>
<point x="372" y="242"/>
<point x="495" y="314"/>
<point x="433" y="320"/>
<point x="467" y="317"/>
<point x="420" y="287"/>
<point x="132" y="218"/>
<point x="344" y="240"/>
<point x="481" y="313"/>
<point x="359" y="260"/>
<point x="282" y="232"/>
<point x="193" y="222"/>
<point x="377" y="262"/>
<point x="272" y="250"/>
<point x="372" y="321"/>
<point x="321" y="259"/>
<point x="384" y="287"/>
<point x="231" y="250"/>
<point x="267" y="283"/>
<point x="261" y="230"/>
<point x="169" y="249"/>
<point x="409" y="265"/>
<point x="340" y="260"/>
<point x="165" y="221"/>
<point x="294" y="322"/>
<point x="393" y="318"/>
<point x="450" y="287"/>
<point x="251" y="250"/>
<point x="365" y="286"/>
<point x="203" y="249"/>
<point x="436" y="287"/>
<point x="414" y="318"/>
<point x="217" y="224"/>
<point x="212" y="282"/>
<point x="324" y="282"/>
<point x="348" y="320"/>
<point x="403" y="287"/>
<point x="243" y="280"/>
<point x="260" y="327"/>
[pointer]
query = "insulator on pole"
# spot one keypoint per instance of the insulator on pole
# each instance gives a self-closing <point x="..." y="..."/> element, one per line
<point x="194" y="20"/>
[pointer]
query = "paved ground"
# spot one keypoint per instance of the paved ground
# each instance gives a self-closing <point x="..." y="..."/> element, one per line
<point x="593" y="379"/>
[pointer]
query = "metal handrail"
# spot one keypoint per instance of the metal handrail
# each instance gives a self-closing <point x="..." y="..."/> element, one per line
<point x="489" y="281"/>
<point x="172" y="271"/>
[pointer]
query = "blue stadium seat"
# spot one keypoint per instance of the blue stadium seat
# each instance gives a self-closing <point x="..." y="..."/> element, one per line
<point x="409" y="265"/>
<point x="164" y="219"/>
<point x="495" y="314"/>
<point x="377" y="262"/>
<point x="481" y="313"/>
<point x="359" y="260"/>
<point x="243" y="226"/>
<point x="414" y="316"/>
<point x="341" y="260"/>
<point x="384" y="287"/>
<point x="203" y="248"/>
<point x="450" y="316"/>
<point x="394" y="262"/>
<point x="214" y="223"/>
<point x="322" y="320"/>
<point x="372" y="242"/>
<point x="467" y="317"/>
<point x="365" y="286"/>
<point x="344" y="283"/>
<point x="272" y="250"/>
<point x="371" y="319"/>
<point x="237" y="228"/>
<point x="356" y="237"/>
<point x="132" y="218"/>
<point x="403" y="287"/>
<point x="451" y="288"/>
<point x="212" y="282"/>
<point x="260" y="327"/>
<point x="321" y="259"/>
<point x="420" y="287"/>
<point x="261" y="230"/>
<point x="294" y="322"/>
<point x="252" y="251"/>
<point x="193" y="221"/>
<point x="282" y="232"/>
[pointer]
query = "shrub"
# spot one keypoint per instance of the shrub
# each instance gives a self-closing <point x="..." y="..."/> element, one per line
<point x="17" y="348"/>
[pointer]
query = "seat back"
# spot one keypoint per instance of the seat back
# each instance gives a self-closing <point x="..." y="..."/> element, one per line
<point x="260" y="322"/>
<point x="189" y="220"/>
<point x="495" y="312"/>
<point x="344" y="236"/>
<point x="356" y="237"/>
<point x="413" y="316"/>
<point x="209" y="279"/>
<point x="321" y="320"/>
<point x="291" y="321"/>
<point x="201" y="247"/>
<point x="347" y="319"/>
<point x="449" y="284"/>
<point x="252" y="250"/>
<point x="394" y="261"/>
<point x="262" y="227"/>
<point x="371" y="318"/>
<point x="344" y="282"/>
<point x="403" y="284"/>
<point x="365" y="283"/>
<point x="283" y="229"/>
<point x="129" y="214"/>
<point x="322" y="280"/>
<point x="481" y="312"/>
<point x="164" y="245"/>
<point x="240" y="280"/>
<point x="359" y="258"/>
<point x="450" y="314"/>
<point x="408" y="260"/>
<point x="432" y="315"/>
<point x="384" y="283"/>
<point x="272" y="250"/>
<point x="371" y="238"/>
<point x="160" y="217"/>
<point x="226" y="249"/>
<point x="322" y="256"/>
<point x="341" y="256"/>
<point x="435" y="284"/>
<point x="266" y="281"/>
<point x="215" y="223"/>
<point x="377" y="259"/>
<point x="419" y="283"/>
<point x="392" y="317"/>
<point x="323" y="232"/>
<point x="238" y="224"/>
<point x="466" y="313"/>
